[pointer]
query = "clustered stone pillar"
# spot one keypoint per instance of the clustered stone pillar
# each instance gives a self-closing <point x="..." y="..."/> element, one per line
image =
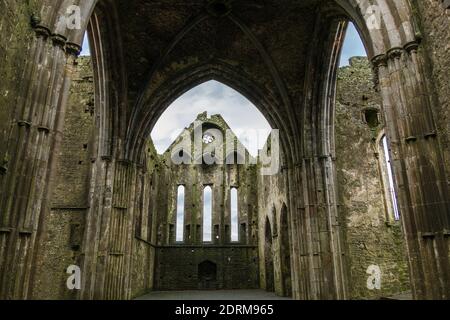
<point x="318" y="255"/>
<point x="418" y="165"/>
<point x="32" y="147"/>
<point x="317" y="250"/>
<point x="107" y="247"/>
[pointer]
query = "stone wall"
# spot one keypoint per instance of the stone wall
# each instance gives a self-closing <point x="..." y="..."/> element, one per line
<point x="147" y="204"/>
<point x="65" y="222"/>
<point x="272" y="198"/>
<point x="236" y="262"/>
<point x="372" y="235"/>
<point x="435" y="23"/>
<point x="32" y="72"/>
<point x="15" y="35"/>
<point x="72" y="177"/>
<point x="178" y="267"/>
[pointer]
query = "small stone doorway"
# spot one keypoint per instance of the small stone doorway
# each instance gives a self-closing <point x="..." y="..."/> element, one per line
<point x="207" y="275"/>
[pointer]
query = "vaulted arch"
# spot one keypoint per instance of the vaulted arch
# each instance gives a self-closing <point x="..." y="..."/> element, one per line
<point x="147" y="116"/>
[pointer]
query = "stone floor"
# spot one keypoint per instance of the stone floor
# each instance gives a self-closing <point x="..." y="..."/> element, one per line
<point x="212" y="295"/>
<point x="233" y="295"/>
<point x="400" y="296"/>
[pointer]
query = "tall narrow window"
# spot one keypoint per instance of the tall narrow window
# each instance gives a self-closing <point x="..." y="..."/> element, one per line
<point x="207" y="214"/>
<point x="86" y="49"/>
<point x="180" y="214"/>
<point x="234" y="215"/>
<point x="390" y="179"/>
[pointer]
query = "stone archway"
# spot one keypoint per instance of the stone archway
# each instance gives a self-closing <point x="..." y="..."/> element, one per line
<point x="397" y="57"/>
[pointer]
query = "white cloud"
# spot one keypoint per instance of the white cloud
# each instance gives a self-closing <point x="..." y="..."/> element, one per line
<point x="215" y="98"/>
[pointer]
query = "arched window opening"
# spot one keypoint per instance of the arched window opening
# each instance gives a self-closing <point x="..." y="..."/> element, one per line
<point x="207" y="214"/>
<point x="388" y="177"/>
<point x="353" y="46"/>
<point x="268" y="257"/>
<point x="86" y="49"/>
<point x="275" y="221"/>
<point x="180" y="214"/>
<point x="234" y="208"/>
<point x="285" y="253"/>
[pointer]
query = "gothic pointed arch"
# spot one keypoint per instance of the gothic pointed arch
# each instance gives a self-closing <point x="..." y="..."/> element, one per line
<point x="192" y="77"/>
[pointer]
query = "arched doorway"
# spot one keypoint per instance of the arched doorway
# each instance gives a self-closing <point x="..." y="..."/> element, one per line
<point x="268" y="257"/>
<point x="207" y="275"/>
<point x="285" y="253"/>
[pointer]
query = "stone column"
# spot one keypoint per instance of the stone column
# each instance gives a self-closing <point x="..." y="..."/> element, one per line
<point x="32" y="149"/>
<point x="110" y="230"/>
<point x="420" y="180"/>
<point x="316" y="236"/>
<point x="298" y="251"/>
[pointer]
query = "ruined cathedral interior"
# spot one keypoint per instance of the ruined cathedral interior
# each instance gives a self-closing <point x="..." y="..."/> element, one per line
<point x="347" y="198"/>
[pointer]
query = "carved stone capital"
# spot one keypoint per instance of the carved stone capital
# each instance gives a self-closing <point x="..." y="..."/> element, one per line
<point x="59" y="40"/>
<point x="412" y="46"/>
<point x="73" y="49"/>
<point x="395" y="53"/>
<point x="379" y="61"/>
<point x="42" y="31"/>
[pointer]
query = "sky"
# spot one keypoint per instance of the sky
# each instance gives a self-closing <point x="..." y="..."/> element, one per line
<point x="86" y="51"/>
<point x="234" y="215"/>
<point x="216" y="98"/>
<point x="180" y="214"/>
<point x="353" y="45"/>
<point x="207" y="214"/>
